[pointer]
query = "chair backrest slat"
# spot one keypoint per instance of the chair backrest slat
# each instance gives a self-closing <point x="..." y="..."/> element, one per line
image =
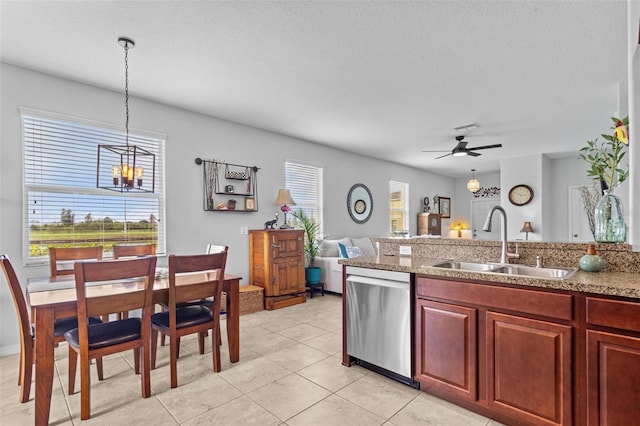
<point x="18" y="297"/>
<point x="120" y="251"/>
<point x="66" y="254"/>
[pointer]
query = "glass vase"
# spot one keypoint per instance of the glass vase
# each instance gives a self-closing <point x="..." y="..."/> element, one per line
<point x="610" y="226"/>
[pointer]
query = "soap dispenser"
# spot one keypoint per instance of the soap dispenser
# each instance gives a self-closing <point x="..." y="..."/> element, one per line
<point x="591" y="262"/>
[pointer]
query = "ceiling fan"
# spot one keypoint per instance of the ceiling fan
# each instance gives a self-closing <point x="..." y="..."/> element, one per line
<point x="461" y="149"/>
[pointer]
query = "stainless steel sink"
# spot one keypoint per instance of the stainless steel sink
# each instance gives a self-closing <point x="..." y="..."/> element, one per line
<point x="469" y="266"/>
<point x="530" y="271"/>
<point x="521" y="270"/>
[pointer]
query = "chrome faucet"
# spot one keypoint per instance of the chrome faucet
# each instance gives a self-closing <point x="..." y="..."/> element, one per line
<point x="505" y="255"/>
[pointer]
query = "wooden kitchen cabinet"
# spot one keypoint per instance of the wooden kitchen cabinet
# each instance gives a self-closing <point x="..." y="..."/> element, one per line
<point x="276" y="263"/>
<point x="529" y="369"/>
<point x="527" y="356"/>
<point x="505" y="352"/>
<point x="446" y="347"/>
<point x="613" y="362"/>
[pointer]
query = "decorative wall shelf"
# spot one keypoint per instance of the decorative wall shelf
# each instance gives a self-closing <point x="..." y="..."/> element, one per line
<point x="229" y="187"/>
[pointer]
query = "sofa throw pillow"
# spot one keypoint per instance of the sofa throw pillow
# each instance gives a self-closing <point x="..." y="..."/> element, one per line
<point x="349" y="252"/>
<point x="329" y="248"/>
<point x="353" y="251"/>
<point x="365" y="245"/>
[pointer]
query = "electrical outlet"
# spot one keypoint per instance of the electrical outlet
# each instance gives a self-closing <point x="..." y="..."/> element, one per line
<point x="405" y="250"/>
<point x="244" y="230"/>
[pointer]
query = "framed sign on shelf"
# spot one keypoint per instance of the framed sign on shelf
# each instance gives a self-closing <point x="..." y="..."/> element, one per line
<point x="249" y="203"/>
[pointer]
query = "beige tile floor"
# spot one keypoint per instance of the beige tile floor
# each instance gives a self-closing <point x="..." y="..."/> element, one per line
<point x="289" y="374"/>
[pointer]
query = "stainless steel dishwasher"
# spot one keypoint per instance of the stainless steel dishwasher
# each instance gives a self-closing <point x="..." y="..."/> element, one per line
<point x="378" y="321"/>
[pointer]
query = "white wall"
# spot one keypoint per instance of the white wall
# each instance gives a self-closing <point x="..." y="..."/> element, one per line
<point x="526" y="170"/>
<point x="189" y="135"/>
<point x="461" y="209"/>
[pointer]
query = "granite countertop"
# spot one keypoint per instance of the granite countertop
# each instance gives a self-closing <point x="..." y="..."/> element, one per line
<point x="625" y="284"/>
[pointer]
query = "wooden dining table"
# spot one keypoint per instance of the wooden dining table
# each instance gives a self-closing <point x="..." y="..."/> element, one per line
<point x="51" y="298"/>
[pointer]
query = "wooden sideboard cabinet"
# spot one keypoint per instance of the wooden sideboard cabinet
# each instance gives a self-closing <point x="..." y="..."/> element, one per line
<point x="276" y="263"/>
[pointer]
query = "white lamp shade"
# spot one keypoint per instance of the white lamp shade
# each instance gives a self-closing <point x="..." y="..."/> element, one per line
<point x="473" y="185"/>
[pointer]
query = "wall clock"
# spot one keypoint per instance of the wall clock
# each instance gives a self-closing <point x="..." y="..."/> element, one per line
<point x="520" y="195"/>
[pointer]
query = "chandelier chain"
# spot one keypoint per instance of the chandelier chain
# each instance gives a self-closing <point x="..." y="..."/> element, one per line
<point x="126" y="89"/>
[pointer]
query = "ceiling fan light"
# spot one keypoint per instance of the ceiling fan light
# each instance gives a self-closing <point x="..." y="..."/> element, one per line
<point x="460" y="154"/>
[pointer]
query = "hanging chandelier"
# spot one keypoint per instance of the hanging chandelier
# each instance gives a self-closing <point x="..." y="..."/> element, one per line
<point x="121" y="167"/>
<point x="473" y="185"/>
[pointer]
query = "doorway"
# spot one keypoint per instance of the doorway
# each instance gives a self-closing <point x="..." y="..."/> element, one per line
<point x="579" y="230"/>
<point x="480" y="208"/>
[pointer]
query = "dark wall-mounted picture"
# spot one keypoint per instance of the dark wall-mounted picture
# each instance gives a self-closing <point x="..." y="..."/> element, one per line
<point x="445" y="207"/>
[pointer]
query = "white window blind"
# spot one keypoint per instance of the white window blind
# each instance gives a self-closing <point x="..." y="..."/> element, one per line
<point x="63" y="207"/>
<point x="398" y="207"/>
<point x="304" y="182"/>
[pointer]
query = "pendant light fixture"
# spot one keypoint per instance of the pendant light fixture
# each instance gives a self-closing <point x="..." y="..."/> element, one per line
<point x="473" y="185"/>
<point x="121" y="168"/>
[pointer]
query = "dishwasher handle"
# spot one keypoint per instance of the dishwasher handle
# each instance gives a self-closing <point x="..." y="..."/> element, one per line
<point x="356" y="279"/>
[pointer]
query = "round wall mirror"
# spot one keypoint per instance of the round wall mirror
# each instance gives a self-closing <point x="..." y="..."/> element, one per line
<point x="359" y="203"/>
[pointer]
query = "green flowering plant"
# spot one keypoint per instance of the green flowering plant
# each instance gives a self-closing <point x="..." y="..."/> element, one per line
<point x="605" y="157"/>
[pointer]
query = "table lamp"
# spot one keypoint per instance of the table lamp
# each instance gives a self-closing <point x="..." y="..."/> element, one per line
<point x="526" y="228"/>
<point x="284" y="199"/>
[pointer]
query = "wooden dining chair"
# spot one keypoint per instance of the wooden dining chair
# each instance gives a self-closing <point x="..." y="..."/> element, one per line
<point x="215" y="248"/>
<point x="93" y="341"/>
<point x="193" y="318"/>
<point x="132" y="251"/>
<point x="138" y="250"/>
<point x="211" y="248"/>
<point x="27" y="338"/>
<point x="61" y="258"/>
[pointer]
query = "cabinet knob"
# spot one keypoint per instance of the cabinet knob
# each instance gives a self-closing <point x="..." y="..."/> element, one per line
<point x="275" y="245"/>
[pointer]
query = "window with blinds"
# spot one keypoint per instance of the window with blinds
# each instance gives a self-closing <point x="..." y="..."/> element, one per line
<point x="62" y="205"/>
<point x="398" y="207"/>
<point x="304" y="182"/>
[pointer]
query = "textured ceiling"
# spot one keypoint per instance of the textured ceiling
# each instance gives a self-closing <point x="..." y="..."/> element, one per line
<point x="385" y="79"/>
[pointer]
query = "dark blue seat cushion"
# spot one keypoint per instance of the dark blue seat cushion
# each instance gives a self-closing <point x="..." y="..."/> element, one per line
<point x="63" y="325"/>
<point x="208" y="303"/>
<point x="185" y="317"/>
<point x="108" y="333"/>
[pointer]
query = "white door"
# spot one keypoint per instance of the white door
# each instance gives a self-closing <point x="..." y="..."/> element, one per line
<point x="579" y="230"/>
<point x="480" y="208"/>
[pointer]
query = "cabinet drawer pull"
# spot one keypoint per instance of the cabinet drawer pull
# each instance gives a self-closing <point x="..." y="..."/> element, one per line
<point x="275" y="245"/>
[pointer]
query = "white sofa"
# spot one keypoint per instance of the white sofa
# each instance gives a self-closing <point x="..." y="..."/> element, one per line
<point x="329" y="254"/>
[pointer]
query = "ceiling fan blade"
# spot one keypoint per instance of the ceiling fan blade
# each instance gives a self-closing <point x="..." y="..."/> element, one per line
<point x="437" y="150"/>
<point x="473" y="154"/>
<point x="442" y="156"/>
<point x="475" y="148"/>
<point x="462" y="145"/>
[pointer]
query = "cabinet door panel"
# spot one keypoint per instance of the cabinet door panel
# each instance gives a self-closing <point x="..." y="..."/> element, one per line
<point x="289" y="276"/>
<point x="613" y="379"/>
<point x="529" y="369"/>
<point x="446" y="347"/>
<point x="287" y="244"/>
